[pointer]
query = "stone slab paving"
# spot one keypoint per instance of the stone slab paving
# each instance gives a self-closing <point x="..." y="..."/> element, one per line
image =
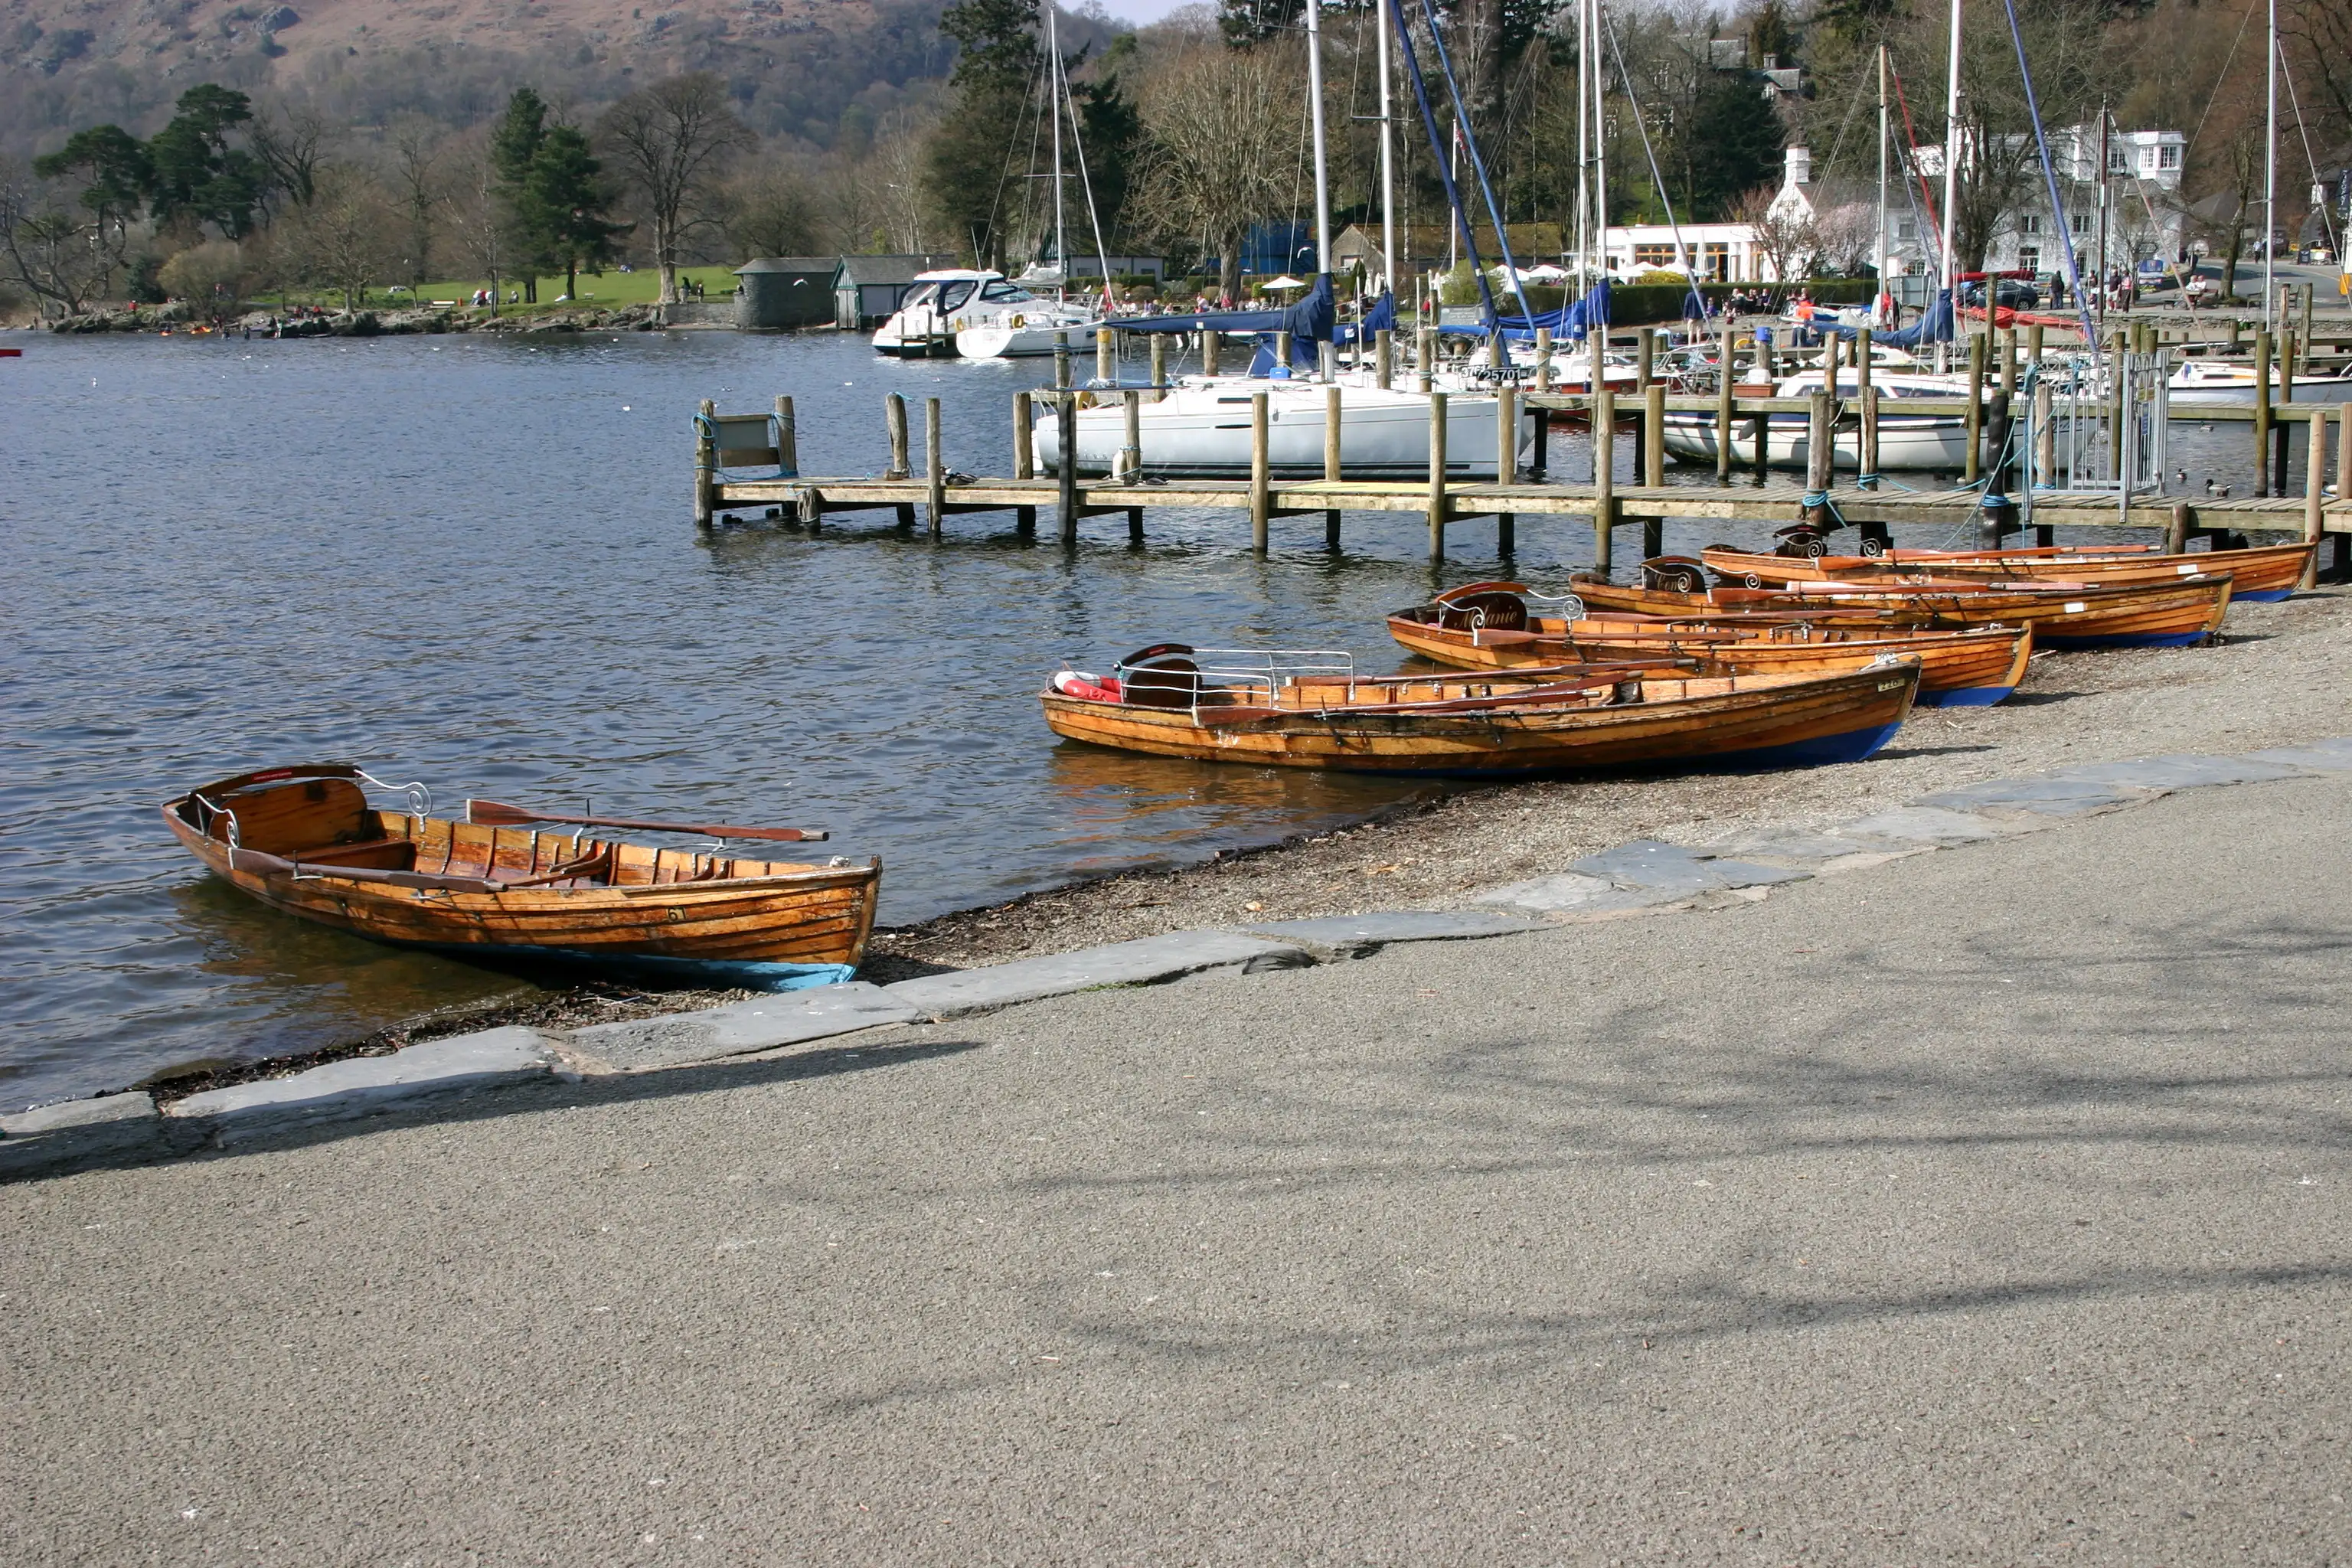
<point x="2183" y="772"/>
<point x="51" y="1135"/>
<point x="2050" y="795"/>
<point x="1799" y="846"/>
<point x="1678" y="868"/>
<point x="1923" y="826"/>
<point x="366" y="1086"/>
<point x="1140" y="962"/>
<point x="2331" y="756"/>
<point x="1359" y="936"/>
<point x="760" y="1024"/>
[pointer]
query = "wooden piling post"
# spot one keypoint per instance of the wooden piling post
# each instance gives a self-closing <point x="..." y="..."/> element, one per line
<point x="788" y="438"/>
<point x="1209" y="349"/>
<point x="1653" y="435"/>
<point x="1158" y="366"/>
<point x="1384" y="358"/>
<point x="1543" y="359"/>
<point x="1024" y="438"/>
<point x="935" y="468"/>
<point x="894" y="415"/>
<point x="2285" y="395"/>
<point x="2314" y="491"/>
<point x="2306" y="339"/>
<point x="2176" y="536"/>
<point x="1333" y="426"/>
<point x="2118" y="396"/>
<point x="1425" y="358"/>
<point x="2033" y="341"/>
<point x="1976" y="405"/>
<point x="2046" y="436"/>
<point x="1437" y="475"/>
<point x="2262" y="411"/>
<point x="1645" y="357"/>
<point x="1105" y="356"/>
<point x="1261" y="493"/>
<point x="1507" y="464"/>
<point x="1539" y="460"/>
<point x="1131" y="455"/>
<point x="1864" y="355"/>
<point x="1726" y="390"/>
<point x="1061" y="361"/>
<point x="1820" y="451"/>
<point x="1065" y="417"/>
<point x="1604" y="477"/>
<point x="706" y="467"/>
<point x="1282" y="354"/>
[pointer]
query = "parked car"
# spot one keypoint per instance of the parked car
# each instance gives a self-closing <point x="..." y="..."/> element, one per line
<point x="2010" y="293"/>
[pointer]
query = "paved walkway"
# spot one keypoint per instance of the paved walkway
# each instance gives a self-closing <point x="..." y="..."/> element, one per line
<point x="1989" y="1206"/>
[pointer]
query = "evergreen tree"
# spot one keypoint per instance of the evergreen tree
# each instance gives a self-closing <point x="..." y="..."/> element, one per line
<point x="197" y="173"/>
<point x="1736" y="139"/>
<point x="969" y="163"/>
<point x="514" y="143"/>
<point x="565" y="202"/>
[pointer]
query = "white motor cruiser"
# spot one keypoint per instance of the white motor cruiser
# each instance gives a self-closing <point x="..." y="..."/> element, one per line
<point x="1203" y="428"/>
<point x="946" y="303"/>
<point x="1905" y="441"/>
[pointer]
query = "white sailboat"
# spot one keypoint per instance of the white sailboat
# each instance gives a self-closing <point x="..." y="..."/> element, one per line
<point x="1035" y="330"/>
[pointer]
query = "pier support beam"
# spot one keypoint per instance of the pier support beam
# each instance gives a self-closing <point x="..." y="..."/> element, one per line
<point x="1384" y="358"/>
<point x="706" y="467"/>
<point x="1025" y="461"/>
<point x="1065" y="419"/>
<point x="1436" y="476"/>
<point x="1604" y="473"/>
<point x="1975" y="462"/>
<point x="1725" y="391"/>
<point x="1333" y="426"/>
<point x="1261" y="493"/>
<point x="788" y="438"/>
<point x="2314" y="491"/>
<point x="935" y="469"/>
<point x="1507" y="463"/>
<point x="2262" y="359"/>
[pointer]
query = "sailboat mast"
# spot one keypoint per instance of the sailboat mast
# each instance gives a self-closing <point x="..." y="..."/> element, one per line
<point x="1886" y="294"/>
<point x="2269" y="181"/>
<point x="1600" y="147"/>
<point x="1315" y="109"/>
<point x="1951" y="148"/>
<point x="1053" y="107"/>
<point x="1387" y="157"/>
<point x="1584" y="149"/>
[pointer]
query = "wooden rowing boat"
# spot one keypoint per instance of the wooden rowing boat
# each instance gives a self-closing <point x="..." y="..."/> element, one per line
<point x="1643" y="714"/>
<point x="2061" y="615"/>
<point x="305" y="841"/>
<point x="1491" y="625"/>
<point x="2261" y="574"/>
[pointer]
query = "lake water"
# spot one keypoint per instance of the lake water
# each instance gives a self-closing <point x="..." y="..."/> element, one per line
<point x="472" y="561"/>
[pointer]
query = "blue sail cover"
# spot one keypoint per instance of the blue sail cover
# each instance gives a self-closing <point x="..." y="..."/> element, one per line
<point x="1378" y="317"/>
<point x="1935" y="327"/>
<point x="1308" y="323"/>
<point x="1569" y="324"/>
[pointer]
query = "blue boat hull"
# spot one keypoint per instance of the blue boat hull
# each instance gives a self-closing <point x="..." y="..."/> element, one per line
<point x="2078" y="645"/>
<point x="1965" y="696"/>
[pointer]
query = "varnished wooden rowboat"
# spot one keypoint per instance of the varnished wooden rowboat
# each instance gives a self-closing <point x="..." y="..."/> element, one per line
<point x="1646" y="715"/>
<point x="2061" y="615"/>
<point x="2260" y="573"/>
<point x="1492" y="626"/>
<point x="305" y="840"/>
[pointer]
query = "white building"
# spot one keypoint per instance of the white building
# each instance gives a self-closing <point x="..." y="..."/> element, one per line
<point x="2142" y="194"/>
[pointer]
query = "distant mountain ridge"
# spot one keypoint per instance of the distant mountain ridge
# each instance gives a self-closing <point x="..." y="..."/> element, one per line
<point x="816" y="69"/>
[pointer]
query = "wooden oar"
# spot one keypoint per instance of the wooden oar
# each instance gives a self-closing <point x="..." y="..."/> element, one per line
<point x="494" y="814"/>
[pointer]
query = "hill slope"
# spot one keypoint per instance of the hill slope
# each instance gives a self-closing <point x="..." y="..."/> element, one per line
<point x="810" y="68"/>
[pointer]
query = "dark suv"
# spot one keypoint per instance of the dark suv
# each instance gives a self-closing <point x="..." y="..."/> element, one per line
<point x="2010" y="293"/>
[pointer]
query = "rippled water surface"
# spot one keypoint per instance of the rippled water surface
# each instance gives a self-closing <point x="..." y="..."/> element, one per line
<point x="472" y="561"/>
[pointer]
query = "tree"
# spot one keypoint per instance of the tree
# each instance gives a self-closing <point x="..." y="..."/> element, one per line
<point x="415" y="143"/>
<point x="968" y="164"/>
<point x="515" y="142"/>
<point x="211" y="278"/>
<point x="344" y="239"/>
<point x="565" y="202"/>
<point x="1732" y="144"/>
<point x="197" y="175"/>
<point x="45" y="248"/>
<point x="671" y="142"/>
<point x="1786" y="237"/>
<point x="481" y="215"/>
<point x="292" y="143"/>
<point x="770" y="213"/>
<point x="1223" y="127"/>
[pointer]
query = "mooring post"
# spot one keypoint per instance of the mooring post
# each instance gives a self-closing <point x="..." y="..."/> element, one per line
<point x="1864" y="353"/>
<point x="1066" y="418"/>
<point x="1282" y="354"/>
<point x="1106" y="357"/>
<point x="2262" y="411"/>
<point x="2119" y="398"/>
<point x="1604" y="476"/>
<point x="935" y="467"/>
<point x="1332" y="426"/>
<point x="894" y="415"/>
<point x="706" y="466"/>
<point x="2045" y="438"/>
<point x="2305" y="338"/>
<point x="1209" y="346"/>
<point x="1024" y="438"/>
<point x="1507" y="463"/>
<point x="1975" y="463"/>
<point x="1158" y="366"/>
<point x="1725" y="392"/>
<point x="2314" y="491"/>
<point x="2176" y="536"/>
<point x="2287" y="395"/>
<point x="1653" y="435"/>
<point x="2008" y="359"/>
<point x="1061" y="361"/>
<point x="2341" y="566"/>
<point x="1384" y="357"/>
<point x="1596" y="341"/>
<point x="1543" y="359"/>
<point x="2033" y="341"/>
<point x="788" y="440"/>
<point x="1820" y="451"/>
<point x="1437" y="475"/>
<point x="1261" y="491"/>
<point x="1131" y="455"/>
<point x="1539" y="454"/>
<point x="1425" y="358"/>
<point x="1645" y="357"/>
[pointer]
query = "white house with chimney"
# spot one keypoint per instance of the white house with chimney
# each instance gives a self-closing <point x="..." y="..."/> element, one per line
<point x="2146" y="219"/>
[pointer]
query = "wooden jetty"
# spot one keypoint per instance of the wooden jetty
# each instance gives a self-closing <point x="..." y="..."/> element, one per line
<point x="728" y="444"/>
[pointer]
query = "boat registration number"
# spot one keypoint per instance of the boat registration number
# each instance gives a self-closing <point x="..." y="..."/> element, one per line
<point x="2075" y="606"/>
<point x="1888" y="685"/>
<point x="2185" y="569"/>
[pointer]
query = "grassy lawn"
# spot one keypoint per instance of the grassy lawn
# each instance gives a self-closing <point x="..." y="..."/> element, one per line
<point x="613" y="289"/>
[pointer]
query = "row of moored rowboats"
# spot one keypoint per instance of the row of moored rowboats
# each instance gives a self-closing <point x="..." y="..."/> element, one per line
<point x="1784" y="661"/>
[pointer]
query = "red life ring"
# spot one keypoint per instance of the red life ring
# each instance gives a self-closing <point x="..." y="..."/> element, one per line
<point x="1086" y="686"/>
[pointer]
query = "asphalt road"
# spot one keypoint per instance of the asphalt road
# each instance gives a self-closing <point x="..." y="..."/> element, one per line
<point x="1987" y="1207"/>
